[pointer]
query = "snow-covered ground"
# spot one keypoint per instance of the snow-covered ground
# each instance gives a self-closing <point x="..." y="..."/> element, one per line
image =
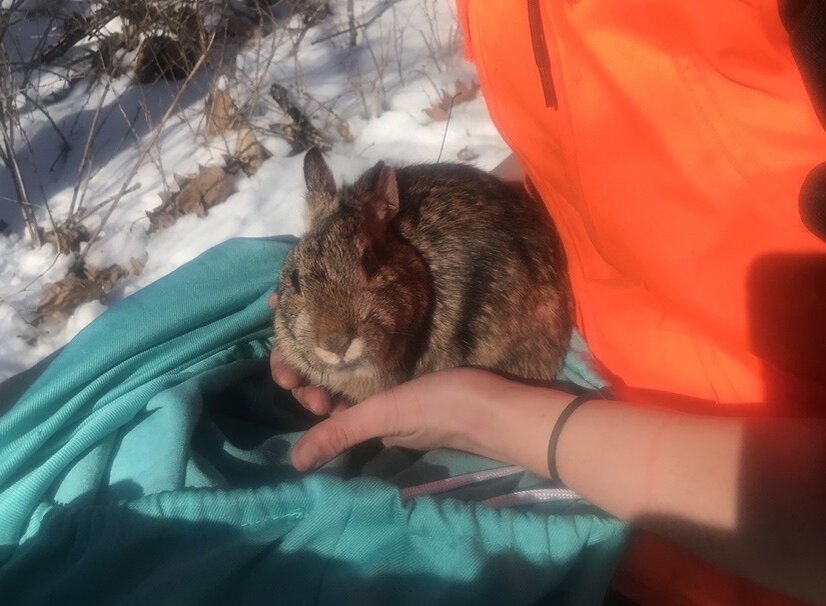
<point x="379" y="89"/>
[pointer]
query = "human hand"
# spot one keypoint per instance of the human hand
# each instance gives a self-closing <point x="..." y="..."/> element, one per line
<point x="462" y="408"/>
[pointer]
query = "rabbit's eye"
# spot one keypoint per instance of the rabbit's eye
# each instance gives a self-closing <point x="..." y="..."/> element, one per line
<point x="369" y="262"/>
<point x="294" y="281"/>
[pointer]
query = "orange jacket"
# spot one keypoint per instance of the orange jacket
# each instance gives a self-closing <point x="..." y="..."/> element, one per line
<point x="670" y="141"/>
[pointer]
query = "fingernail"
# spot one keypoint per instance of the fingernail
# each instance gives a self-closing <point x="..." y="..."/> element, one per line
<point x="304" y="459"/>
<point x="284" y="377"/>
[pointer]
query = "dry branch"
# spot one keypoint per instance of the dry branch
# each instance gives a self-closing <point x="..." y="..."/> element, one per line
<point x="357" y="26"/>
<point x="301" y="133"/>
<point x="152" y="141"/>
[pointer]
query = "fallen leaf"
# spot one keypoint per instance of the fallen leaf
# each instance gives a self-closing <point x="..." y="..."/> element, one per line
<point x="137" y="265"/>
<point x="440" y="111"/>
<point x="66" y="237"/>
<point x="66" y="295"/>
<point x="466" y="155"/>
<point x="249" y="153"/>
<point x="211" y="186"/>
<point x="220" y="113"/>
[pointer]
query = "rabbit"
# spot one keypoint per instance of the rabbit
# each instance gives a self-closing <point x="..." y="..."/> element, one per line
<point x="420" y="268"/>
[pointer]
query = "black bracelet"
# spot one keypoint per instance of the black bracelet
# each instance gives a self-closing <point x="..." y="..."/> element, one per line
<point x="567" y="412"/>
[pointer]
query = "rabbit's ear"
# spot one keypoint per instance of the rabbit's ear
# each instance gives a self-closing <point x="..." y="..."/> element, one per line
<point x="317" y="175"/>
<point x="321" y="186"/>
<point x="385" y="204"/>
<point x="382" y="203"/>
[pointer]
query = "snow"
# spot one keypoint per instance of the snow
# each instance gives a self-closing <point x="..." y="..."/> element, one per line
<point x="379" y="89"/>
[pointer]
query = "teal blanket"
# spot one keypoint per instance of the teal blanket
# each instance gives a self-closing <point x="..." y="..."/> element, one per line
<point x="147" y="463"/>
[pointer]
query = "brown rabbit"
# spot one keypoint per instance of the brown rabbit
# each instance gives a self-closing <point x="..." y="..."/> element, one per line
<point x="417" y="269"/>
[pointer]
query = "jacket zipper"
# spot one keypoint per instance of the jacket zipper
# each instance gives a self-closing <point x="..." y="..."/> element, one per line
<point x="540" y="53"/>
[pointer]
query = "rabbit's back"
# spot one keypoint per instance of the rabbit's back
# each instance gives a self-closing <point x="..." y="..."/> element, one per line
<point x="501" y="299"/>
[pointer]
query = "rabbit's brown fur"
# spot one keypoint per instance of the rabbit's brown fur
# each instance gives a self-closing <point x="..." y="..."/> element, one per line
<point x="417" y="269"/>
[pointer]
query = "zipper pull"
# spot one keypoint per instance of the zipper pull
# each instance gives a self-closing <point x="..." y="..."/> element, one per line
<point x="540" y="53"/>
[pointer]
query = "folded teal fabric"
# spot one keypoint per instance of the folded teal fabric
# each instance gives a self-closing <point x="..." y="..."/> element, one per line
<point x="148" y="463"/>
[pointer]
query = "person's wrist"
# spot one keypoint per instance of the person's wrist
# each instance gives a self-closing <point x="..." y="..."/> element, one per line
<point x="544" y="407"/>
<point x="514" y="421"/>
<point x="471" y="419"/>
<point x="473" y="415"/>
<point x="559" y="425"/>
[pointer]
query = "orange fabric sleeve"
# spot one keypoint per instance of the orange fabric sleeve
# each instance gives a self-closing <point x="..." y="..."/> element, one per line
<point x="672" y="163"/>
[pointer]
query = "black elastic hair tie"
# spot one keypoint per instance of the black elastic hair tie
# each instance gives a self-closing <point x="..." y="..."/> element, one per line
<point x="560" y="422"/>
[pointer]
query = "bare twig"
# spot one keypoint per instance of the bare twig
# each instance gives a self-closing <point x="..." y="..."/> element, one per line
<point x="18" y="312"/>
<point x="384" y="7"/>
<point x="35" y="279"/>
<point x="127" y="182"/>
<point x="398" y="41"/>
<point x="25" y="205"/>
<point x="380" y="66"/>
<point x="310" y="19"/>
<point x="439" y="51"/>
<point x="8" y="125"/>
<point x="66" y="145"/>
<point x="86" y="161"/>
<point x="304" y="135"/>
<point x="45" y="198"/>
<point x="447" y="124"/>
<point x="89" y="212"/>
<point x="342" y="126"/>
<point x="131" y="124"/>
<point x="351" y="21"/>
<point x="71" y="36"/>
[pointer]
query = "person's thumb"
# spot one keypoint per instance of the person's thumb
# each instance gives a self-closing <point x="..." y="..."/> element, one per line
<point x="340" y="432"/>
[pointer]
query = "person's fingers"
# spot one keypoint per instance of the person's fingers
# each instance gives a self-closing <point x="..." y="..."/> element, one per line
<point x="273" y="301"/>
<point x="313" y="399"/>
<point x="338" y="433"/>
<point x="285" y="375"/>
<point x="437" y="410"/>
<point x="338" y="406"/>
<point x="282" y="373"/>
<point x="316" y="400"/>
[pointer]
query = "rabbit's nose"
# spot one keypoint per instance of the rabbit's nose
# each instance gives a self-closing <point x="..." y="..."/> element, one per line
<point x="339" y="350"/>
<point x="336" y="344"/>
